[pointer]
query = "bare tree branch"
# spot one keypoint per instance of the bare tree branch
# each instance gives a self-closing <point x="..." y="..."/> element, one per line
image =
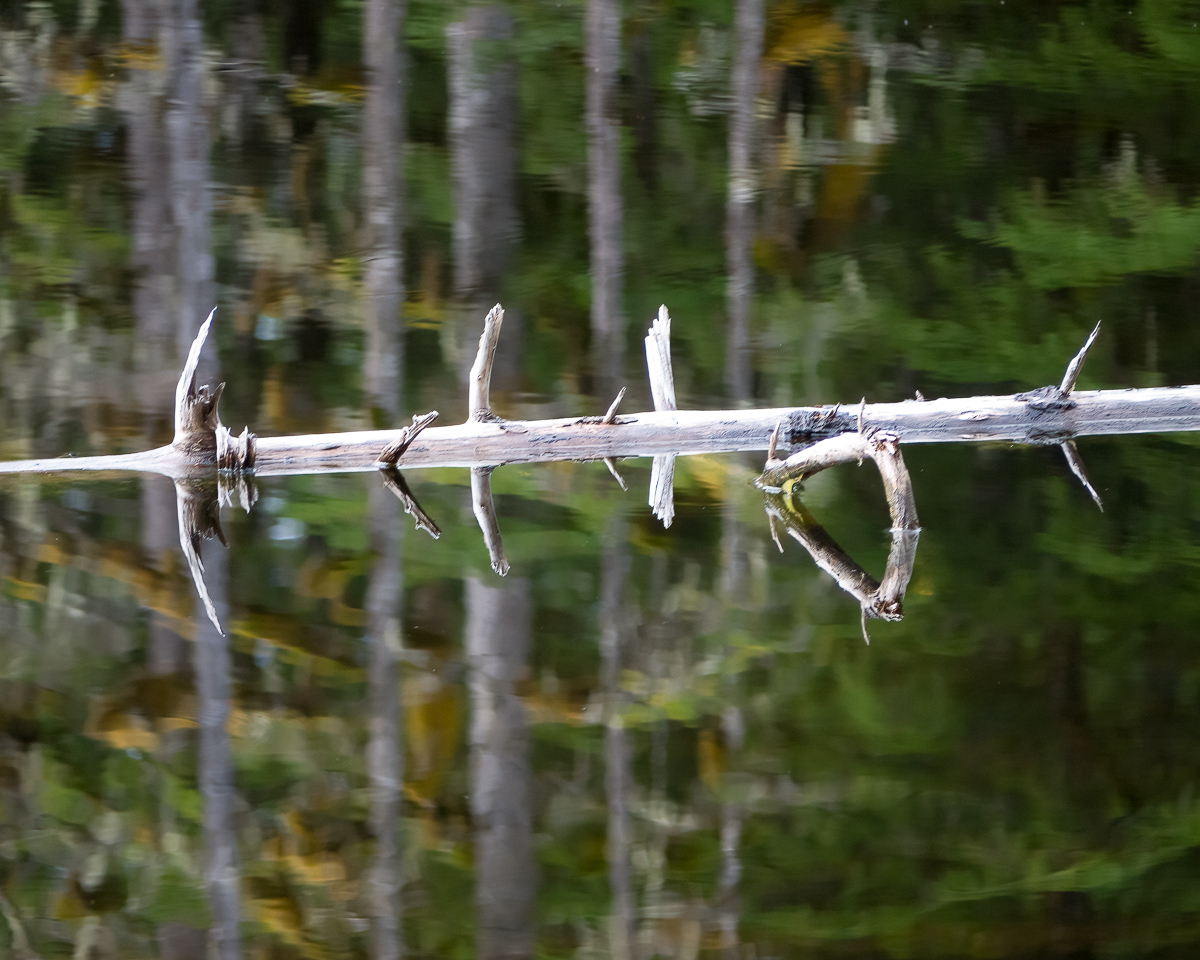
<point x="395" y="450"/>
<point x="478" y="404"/>
<point x="1076" y="364"/>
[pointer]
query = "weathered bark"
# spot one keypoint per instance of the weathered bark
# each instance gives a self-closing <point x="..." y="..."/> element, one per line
<point x="1047" y="415"/>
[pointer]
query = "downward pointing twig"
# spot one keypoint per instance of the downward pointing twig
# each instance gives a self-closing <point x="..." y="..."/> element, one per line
<point x="1075" y="462"/>
<point x="394" y="481"/>
<point x="612" y="468"/>
<point x="485" y="513"/>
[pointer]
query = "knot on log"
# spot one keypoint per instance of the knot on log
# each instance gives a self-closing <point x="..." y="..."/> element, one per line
<point x="1048" y="399"/>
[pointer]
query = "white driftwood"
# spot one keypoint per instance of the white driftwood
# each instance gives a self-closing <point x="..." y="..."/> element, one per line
<point x="1045" y="416"/>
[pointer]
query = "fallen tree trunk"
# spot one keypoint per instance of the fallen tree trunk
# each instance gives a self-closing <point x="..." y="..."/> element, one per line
<point x="821" y="436"/>
<point x="1049" y="415"/>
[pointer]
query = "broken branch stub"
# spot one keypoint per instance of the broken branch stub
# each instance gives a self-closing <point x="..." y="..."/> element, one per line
<point x="200" y="437"/>
<point x="1076" y="365"/>
<point x="395" y="450"/>
<point x="478" y="402"/>
<point x="662" y="388"/>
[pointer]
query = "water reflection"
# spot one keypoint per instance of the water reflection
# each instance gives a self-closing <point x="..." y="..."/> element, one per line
<point x="385" y="750"/>
<point x="498" y="640"/>
<point x="1010" y="771"/>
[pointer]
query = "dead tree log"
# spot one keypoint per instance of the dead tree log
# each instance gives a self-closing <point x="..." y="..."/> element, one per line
<point x="824" y="435"/>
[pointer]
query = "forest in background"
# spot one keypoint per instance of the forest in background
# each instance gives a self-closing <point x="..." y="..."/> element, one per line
<point x="948" y="196"/>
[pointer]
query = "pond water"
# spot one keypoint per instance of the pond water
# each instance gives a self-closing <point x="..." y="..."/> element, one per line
<point x="644" y="740"/>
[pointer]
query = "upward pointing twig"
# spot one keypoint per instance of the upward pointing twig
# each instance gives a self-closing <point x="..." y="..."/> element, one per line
<point x="1076" y="364"/>
<point x="658" y="361"/>
<point x="395" y="450"/>
<point x="478" y="405"/>
<point x="185" y="390"/>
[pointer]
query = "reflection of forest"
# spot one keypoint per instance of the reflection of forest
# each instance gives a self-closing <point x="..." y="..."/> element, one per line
<point x="680" y="745"/>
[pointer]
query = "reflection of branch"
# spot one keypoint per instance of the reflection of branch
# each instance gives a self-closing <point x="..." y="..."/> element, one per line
<point x="393" y="479"/>
<point x="1075" y="462"/>
<point x="485" y="513"/>
<point x="199" y="514"/>
<point x="662" y="489"/>
<point x="878" y="600"/>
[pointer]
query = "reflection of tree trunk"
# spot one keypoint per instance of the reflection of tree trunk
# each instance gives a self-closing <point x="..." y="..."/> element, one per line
<point x="155" y="162"/>
<point x="498" y="640"/>
<point x="739" y="209"/>
<point x="618" y="770"/>
<point x="383" y="152"/>
<point x="604" y="188"/>
<point x="214" y="689"/>
<point x="483" y="162"/>
<point x="191" y="199"/>
<point x="385" y="755"/>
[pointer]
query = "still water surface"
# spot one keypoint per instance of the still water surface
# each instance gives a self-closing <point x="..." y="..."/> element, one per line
<point x="642" y="741"/>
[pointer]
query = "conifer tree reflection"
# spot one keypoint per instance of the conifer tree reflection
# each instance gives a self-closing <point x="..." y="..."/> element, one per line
<point x="498" y="638"/>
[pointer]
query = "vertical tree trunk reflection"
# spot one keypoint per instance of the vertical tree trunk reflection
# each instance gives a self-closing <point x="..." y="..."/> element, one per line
<point x="605" y="215"/>
<point x="618" y="759"/>
<point x="383" y="153"/>
<point x="499" y="633"/>
<point x="214" y="689"/>
<point x="739" y="209"/>
<point x="385" y="754"/>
